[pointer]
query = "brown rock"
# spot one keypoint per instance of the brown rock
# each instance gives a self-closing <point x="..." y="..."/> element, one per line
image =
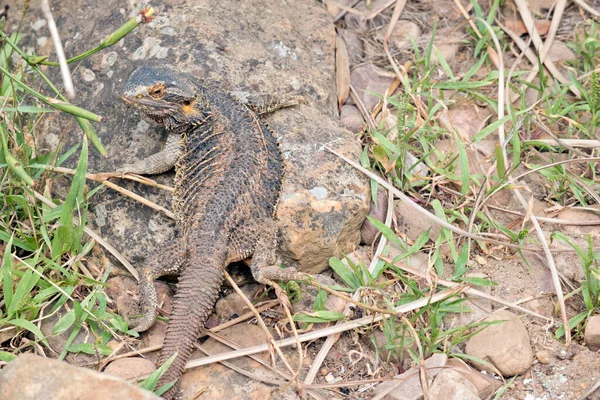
<point x="466" y="119"/>
<point x="333" y="9"/>
<point x="403" y="32"/>
<point x="358" y="21"/>
<point x="451" y="385"/>
<point x="446" y="42"/>
<point x="395" y="349"/>
<point x="368" y="231"/>
<point x="218" y="382"/>
<point x="518" y="27"/>
<point x="323" y="207"/>
<point x="418" y="261"/>
<point x="31" y="377"/>
<point x="505" y="346"/>
<point x="369" y="78"/>
<point x="130" y="368"/>
<point x="351" y="118"/>
<point x="540" y="7"/>
<point x="569" y="265"/>
<point x="60" y="341"/>
<point x="407" y="386"/>
<point x="362" y="255"/>
<point x="477" y="156"/>
<point x="560" y="52"/>
<point x="544" y="305"/>
<point x="413" y="223"/>
<point x="592" y="333"/>
<point x="155" y="336"/>
<point x="442" y="10"/>
<point x="233" y="304"/>
<point x="581" y="215"/>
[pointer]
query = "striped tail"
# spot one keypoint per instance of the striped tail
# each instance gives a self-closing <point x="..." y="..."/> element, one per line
<point x="197" y="292"/>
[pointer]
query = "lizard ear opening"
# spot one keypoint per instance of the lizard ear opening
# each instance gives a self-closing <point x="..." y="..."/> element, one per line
<point x="188" y="106"/>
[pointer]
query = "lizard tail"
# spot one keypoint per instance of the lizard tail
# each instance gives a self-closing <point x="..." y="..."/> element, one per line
<point x="197" y="292"/>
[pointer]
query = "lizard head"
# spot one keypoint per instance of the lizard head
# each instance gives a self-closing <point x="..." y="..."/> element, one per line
<point x="163" y="95"/>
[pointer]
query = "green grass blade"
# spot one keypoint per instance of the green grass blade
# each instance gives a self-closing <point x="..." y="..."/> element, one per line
<point x="29" y="326"/>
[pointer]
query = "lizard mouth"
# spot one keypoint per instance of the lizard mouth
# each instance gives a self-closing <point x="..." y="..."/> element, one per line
<point x="156" y="110"/>
<point x="145" y="101"/>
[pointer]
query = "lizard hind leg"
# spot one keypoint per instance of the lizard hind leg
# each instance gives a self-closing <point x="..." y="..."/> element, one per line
<point x="168" y="260"/>
<point x="264" y="261"/>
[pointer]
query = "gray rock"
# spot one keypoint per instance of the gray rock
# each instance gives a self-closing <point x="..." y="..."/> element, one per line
<point x="251" y="47"/>
<point x="31" y="377"/>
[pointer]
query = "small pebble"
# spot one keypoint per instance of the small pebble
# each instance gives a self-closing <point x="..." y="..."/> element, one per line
<point x="332" y="379"/>
<point x="543" y="356"/>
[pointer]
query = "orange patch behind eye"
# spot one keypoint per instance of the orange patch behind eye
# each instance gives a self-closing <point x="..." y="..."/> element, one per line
<point x="188" y="107"/>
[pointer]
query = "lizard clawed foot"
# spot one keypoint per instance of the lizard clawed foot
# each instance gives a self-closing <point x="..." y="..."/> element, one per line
<point x="268" y="275"/>
<point x="149" y="304"/>
<point x="141" y="323"/>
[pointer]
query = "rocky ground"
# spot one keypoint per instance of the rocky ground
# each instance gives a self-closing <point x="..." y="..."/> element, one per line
<point x="334" y="54"/>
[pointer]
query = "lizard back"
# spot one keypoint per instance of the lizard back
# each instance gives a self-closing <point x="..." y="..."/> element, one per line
<point x="228" y="180"/>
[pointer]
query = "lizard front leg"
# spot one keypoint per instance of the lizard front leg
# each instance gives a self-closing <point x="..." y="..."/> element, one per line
<point x="159" y="162"/>
<point x="169" y="260"/>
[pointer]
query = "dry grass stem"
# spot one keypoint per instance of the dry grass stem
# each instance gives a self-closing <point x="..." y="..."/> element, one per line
<point x="261" y="322"/>
<point x="527" y="204"/>
<point x="60" y="53"/>
<point x="346" y="326"/>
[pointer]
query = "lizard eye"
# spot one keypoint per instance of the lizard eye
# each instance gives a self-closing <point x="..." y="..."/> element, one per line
<point x="158" y="91"/>
<point x="187" y="103"/>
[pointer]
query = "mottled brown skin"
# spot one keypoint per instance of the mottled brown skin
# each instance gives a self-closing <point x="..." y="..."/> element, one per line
<point x="228" y="179"/>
